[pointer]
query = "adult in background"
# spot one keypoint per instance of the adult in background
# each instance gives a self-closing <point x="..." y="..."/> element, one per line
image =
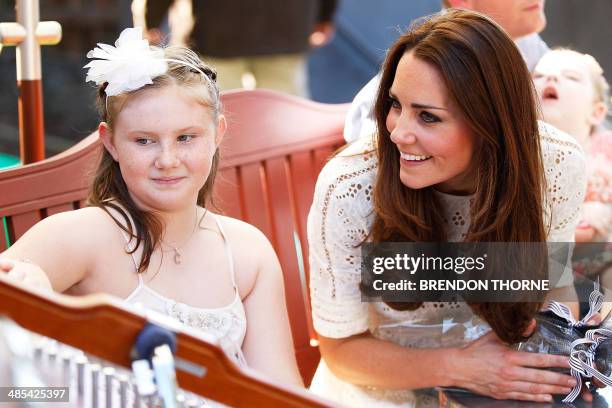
<point x="521" y="19"/>
<point x="265" y="38"/>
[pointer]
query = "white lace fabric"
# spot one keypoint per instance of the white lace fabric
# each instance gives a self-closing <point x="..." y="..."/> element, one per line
<point x="341" y="217"/>
<point x="227" y="324"/>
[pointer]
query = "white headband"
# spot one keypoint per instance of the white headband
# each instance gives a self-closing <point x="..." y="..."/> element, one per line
<point x="130" y="64"/>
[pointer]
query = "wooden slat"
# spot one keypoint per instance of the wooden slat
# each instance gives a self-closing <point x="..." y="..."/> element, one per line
<point x="264" y="124"/>
<point x="3" y="236"/>
<point x="56" y="209"/>
<point x="308" y="358"/>
<point x="67" y="174"/>
<point x="285" y="226"/>
<point x="43" y="202"/>
<point x="255" y="197"/>
<point x="20" y="223"/>
<point x="303" y="180"/>
<point x="227" y="193"/>
<point x="321" y="157"/>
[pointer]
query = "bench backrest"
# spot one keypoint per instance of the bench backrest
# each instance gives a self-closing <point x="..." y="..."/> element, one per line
<point x="275" y="147"/>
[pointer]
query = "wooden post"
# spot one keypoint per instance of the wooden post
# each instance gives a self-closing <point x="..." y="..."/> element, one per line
<point x="27" y="35"/>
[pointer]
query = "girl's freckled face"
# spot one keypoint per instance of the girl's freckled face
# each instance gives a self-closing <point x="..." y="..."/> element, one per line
<point x="164" y="142"/>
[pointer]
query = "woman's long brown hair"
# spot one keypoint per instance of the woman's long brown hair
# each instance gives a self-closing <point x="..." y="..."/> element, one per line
<point x="108" y="189"/>
<point x="488" y="81"/>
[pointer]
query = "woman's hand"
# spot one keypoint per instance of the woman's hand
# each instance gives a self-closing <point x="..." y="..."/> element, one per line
<point x="27" y="273"/>
<point x="487" y="366"/>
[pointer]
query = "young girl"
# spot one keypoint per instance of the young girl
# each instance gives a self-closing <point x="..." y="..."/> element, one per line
<point x="574" y="96"/>
<point x="458" y="156"/>
<point x="148" y="236"/>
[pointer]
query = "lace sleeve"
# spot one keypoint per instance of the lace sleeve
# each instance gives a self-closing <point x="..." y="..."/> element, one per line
<point x="339" y="220"/>
<point x="565" y="169"/>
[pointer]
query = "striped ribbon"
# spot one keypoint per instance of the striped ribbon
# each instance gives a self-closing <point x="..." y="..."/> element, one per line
<point x="581" y="361"/>
<point x="596" y="299"/>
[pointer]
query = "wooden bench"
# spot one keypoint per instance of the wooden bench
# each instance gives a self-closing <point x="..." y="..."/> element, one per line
<point x="275" y="147"/>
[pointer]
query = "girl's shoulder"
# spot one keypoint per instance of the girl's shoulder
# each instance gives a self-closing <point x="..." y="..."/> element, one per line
<point x="81" y="233"/>
<point x="240" y="231"/>
<point x="251" y="251"/>
<point x="248" y="244"/>
<point x="87" y="221"/>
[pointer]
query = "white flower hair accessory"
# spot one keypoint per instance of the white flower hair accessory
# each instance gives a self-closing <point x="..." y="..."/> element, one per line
<point x="127" y="66"/>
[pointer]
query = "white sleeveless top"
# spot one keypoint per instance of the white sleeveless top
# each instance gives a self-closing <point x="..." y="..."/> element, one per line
<point x="227" y="324"/>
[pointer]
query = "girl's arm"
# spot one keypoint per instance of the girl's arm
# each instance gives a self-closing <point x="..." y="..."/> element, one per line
<point x="268" y="346"/>
<point x="56" y="252"/>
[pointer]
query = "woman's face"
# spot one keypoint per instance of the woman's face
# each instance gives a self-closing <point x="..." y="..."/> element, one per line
<point x="164" y="141"/>
<point x="434" y="143"/>
<point x="565" y="92"/>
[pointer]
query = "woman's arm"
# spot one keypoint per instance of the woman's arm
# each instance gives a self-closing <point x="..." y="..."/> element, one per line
<point x="486" y="367"/>
<point x="268" y="346"/>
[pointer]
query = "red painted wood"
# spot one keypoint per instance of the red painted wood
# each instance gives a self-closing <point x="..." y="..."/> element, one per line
<point x="3" y="244"/>
<point x="61" y="179"/>
<point x="31" y="121"/>
<point x="56" y="209"/>
<point x="227" y="193"/>
<point x="18" y="224"/>
<point x="285" y="227"/>
<point x="254" y="194"/>
<point x="302" y="174"/>
<point x="321" y="156"/>
<point x="294" y="138"/>
<point x="84" y="322"/>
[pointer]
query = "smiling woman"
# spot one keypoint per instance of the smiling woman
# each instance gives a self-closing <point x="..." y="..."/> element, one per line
<point x="421" y="110"/>
<point x="458" y="156"/>
<point x="148" y="235"/>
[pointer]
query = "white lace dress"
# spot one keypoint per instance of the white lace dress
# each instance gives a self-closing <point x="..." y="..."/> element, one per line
<point x="340" y="218"/>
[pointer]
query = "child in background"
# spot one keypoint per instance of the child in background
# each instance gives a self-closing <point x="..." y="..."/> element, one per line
<point x="574" y="96"/>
